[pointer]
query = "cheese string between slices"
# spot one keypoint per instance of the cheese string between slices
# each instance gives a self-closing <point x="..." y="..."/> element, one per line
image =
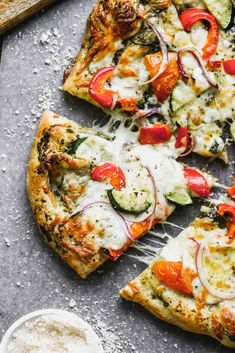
<point x="203" y="279"/>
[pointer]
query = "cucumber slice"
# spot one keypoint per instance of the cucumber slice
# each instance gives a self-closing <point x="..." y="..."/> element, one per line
<point x="221" y="9"/>
<point x="181" y="95"/>
<point x="179" y="196"/>
<point x="129" y="201"/>
<point x="232" y="131"/>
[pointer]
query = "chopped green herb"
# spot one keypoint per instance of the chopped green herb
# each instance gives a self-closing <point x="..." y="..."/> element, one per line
<point x="75" y="144"/>
<point x="214" y="148"/>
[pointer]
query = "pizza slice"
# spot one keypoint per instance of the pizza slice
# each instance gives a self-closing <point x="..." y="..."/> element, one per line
<point x="191" y="281"/>
<point x="161" y="57"/>
<point x="94" y="192"/>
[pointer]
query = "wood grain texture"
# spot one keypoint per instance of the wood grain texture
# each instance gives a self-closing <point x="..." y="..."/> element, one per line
<point x="13" y="12"/>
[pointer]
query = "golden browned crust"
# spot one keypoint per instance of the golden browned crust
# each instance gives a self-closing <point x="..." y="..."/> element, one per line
<point x="109" y="22"/>
<point x="180" y="309"/>
<point x="49" y="156"/>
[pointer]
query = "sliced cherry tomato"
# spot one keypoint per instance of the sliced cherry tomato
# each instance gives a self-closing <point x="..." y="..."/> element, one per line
<point x="229" y="66"/>
<point x="196" y="182"/>
<point x="164" y="83"/>
<point x="192" y="15"/>
<point x="183" y="139"/>
<point x="174" y="275"/>
<point x="102" y="95"/>
<point x="231" y="190"/>
<point x="157" y="133"/>
<point x="229" y="210"/>
<point x="110" y="172"/>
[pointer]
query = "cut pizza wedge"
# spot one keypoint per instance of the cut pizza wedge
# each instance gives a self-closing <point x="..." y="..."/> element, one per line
<point x="191" y="282"/>
<point x="94" y="192"/>
<point x="155" y="57"/>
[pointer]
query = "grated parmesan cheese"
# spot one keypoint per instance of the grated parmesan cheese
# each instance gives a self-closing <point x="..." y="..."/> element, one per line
<point x="52" y="335"/>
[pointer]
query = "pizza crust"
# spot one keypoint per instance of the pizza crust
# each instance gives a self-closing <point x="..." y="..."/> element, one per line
<point x="109" y="23"/>
<point x="106" y="44"/>
<point x="195" y="314"/>
<point x="49" y="217"/>
<point x="174" y="307"/>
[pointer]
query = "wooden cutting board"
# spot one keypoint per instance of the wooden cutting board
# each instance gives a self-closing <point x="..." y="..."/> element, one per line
<point x="13" y="12"/>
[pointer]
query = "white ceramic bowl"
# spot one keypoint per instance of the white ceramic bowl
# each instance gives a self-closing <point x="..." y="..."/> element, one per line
<point x="60" y="314"/>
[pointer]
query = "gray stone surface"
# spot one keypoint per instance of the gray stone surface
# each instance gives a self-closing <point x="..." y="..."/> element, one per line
<point x="32" y="276"/>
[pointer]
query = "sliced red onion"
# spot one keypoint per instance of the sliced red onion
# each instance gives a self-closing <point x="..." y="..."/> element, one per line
<point x="197" y="55"/>
<point x="203" y="279"/>
<point x="193" y="143"/>
<point x="107" y="204"/>
<point x="164" y="50"/>
<point x="143" y="218"/>
<point x="147" y="113"/>
<point x="83" y="206"/>
<point x="165" y="56"/>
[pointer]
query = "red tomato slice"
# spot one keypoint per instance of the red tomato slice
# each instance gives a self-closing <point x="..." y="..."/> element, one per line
<point x="174" y="275"/>
<point x="103" y="96"/>
<point x="192" y="15"/>
<point x="165" y="83"/>
<point x="155" y="134"/>
<point x="229" y="66"/>
<point x="196" y="182"/>
<point x="111" y="173"/>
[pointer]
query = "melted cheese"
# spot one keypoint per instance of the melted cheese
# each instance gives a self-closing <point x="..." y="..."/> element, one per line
<point x="97" y="150"/>
<point x="107" y="59"/>
<point x="218" y="261"/>
<point x="127" y="87"/>
<point x="125" y="151"/>
<point x="218" y="264"/>
<point x="109" y="227"/>
<point x="181" y="249"/>
<point x="198" y="36"/>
